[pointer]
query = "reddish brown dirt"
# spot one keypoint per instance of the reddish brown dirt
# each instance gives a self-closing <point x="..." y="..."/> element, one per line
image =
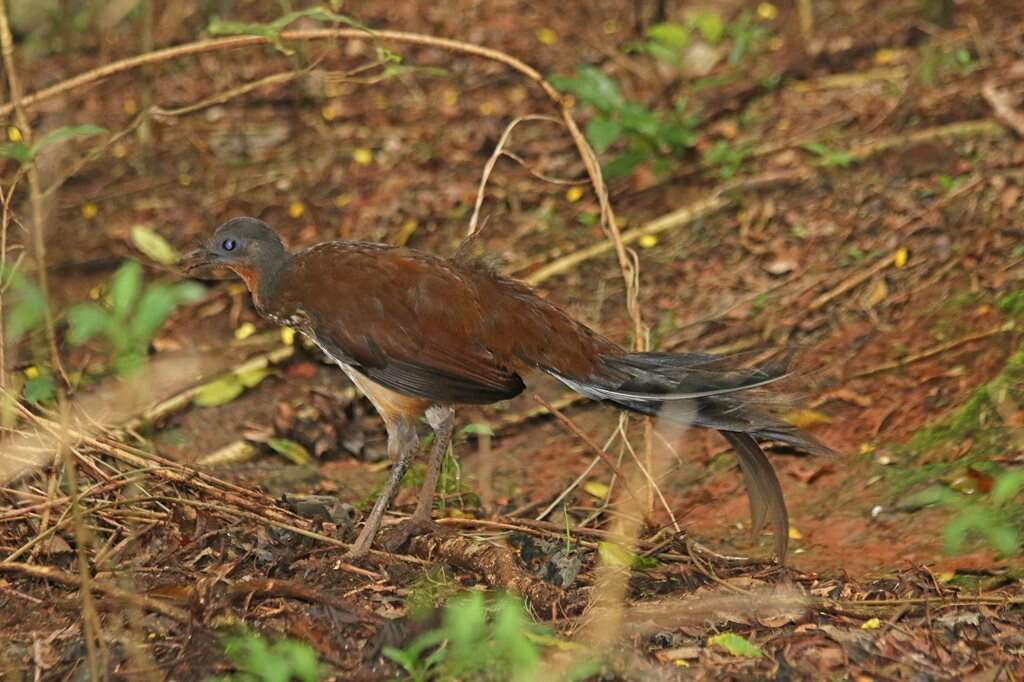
<point x="750" y="276"/>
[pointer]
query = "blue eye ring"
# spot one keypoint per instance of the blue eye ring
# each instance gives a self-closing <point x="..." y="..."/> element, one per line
<point x="228" y="244"/>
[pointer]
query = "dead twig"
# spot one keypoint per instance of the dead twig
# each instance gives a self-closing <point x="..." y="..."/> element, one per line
<point x="930" y="353"/>
<point x="1002" y="106"/>
<point x="126" y="597"/>
<point x="351" y="613"/>
<point x="499" y="150"/>
<point x="575" y="430"/>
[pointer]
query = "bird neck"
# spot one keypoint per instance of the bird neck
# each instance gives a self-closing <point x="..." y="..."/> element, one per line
<point x="265" y="288"/>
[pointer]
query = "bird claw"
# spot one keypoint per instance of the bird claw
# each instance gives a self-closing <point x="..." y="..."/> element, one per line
<point x="394" y="538"/>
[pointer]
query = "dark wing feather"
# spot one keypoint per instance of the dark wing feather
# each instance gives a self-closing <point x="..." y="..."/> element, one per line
<point x="402" y="318"/>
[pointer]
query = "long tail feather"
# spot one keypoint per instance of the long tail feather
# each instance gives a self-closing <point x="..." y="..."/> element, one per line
<point x="724" y="397"/>
<point x="763" y="489"/>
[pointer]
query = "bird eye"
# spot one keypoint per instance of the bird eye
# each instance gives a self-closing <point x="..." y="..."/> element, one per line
<point x="229" y="244"/>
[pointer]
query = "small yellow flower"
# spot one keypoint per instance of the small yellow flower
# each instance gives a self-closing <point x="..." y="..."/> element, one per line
<point x="288" y="336"/>
<point x="887" y="56"/>
<point x="573" y="194"/>
<point x="31" y="372"/>
<point x="767" y="11"/>
<point x="362" y="156"/>
<point x="901" y="257"/>
<point x="13" y="134"/>
<point x="795" y="534"/>
<point x="296" y="209"/>
<point x="871" y="624"/>
<point x="648" y="241"/>
<point x="245" y="330"/>
<point x="328" y="112"/>
<point x="89" y="210"/>
<point x="343" y="200"/>
<point x="547" y="36"/>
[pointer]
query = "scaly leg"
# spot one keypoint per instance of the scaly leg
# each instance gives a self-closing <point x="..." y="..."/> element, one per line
<point x="441" y="420"/>
<point x="402" y="447"/>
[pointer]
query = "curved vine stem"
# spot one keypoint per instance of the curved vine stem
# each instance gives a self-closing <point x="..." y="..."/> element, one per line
<point x="593" y="168"/>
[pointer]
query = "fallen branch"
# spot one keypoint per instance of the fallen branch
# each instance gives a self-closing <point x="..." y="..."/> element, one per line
<point x="496" y="565"/>
<point x="351" y="613"/>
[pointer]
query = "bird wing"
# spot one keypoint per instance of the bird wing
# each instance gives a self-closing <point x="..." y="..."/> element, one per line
<point x="406" y="320"/>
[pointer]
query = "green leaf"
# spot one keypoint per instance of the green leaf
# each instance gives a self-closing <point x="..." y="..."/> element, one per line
<point x="219" y="392"/>
<point x="290" y="450"/>
<point x="154" y="246"/>
<point x="253" y="377"/>
<point x="640" y="119"/>
<point x="933" y="495"/>
<point x="64" y="133"/>
<point x="22" y="153"/>
<point x="674" y="36"/>
<point x="830" y="157"/>
<point x="478" y="428"/>
<point x="614" y="554"/>
<point x="710" y="25"/>
<point x="158" y="303"/>
<point x="603" y="132"/>
<point x="399" y="656"/>
<point x="272" y="31"/>
<point x="300" y="657"/>
<point x="623" y="164"/>
<point x="1007" y="486"/>
<point x="510" y="624"/>
<point x="465" y="618"/>
<point x="125" y="288"/>
<point x="592" y="86"/>
<point x="662" y="53"/>
<point x="737" y="645"/>
<point x="86" y="320"/>
<point x="16" y="151"/>
<point x="1004" y="538"/>
<point x="188" y="292"/>
<point x="955" y="533"/>
<point x="28" y="311"/>
<point x="678" y="135"/>
<point x="40" y="389"/>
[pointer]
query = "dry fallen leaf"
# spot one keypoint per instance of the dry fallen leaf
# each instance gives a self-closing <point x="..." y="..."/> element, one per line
<point x="878" y="294"/>
<point x="806" y="418"/>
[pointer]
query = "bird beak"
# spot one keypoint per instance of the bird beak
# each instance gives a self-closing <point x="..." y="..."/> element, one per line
<point x="200" y="258"/>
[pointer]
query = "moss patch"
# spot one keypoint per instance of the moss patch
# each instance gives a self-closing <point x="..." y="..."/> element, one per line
<point x="981" y="420"/>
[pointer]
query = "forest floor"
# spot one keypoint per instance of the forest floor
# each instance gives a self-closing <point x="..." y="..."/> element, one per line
<point x="856" y="194"/>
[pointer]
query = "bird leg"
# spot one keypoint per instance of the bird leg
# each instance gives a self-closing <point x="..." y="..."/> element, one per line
<point x="442" y="421"/>
<point x="402" y="447"/>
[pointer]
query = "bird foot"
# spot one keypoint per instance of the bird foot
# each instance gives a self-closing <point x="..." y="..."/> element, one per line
<point x="394" y="538"/>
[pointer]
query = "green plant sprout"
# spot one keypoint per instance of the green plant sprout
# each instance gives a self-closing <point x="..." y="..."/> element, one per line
<point x="648" y="136"/>
<point x="283" y="660"/>
<point x="475" y="642"/>
<point x="137" y="311"/>
<point x="990" y="516"/>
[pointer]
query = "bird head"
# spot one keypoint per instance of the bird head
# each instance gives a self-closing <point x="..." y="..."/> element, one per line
<point x="246" y="246"/>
